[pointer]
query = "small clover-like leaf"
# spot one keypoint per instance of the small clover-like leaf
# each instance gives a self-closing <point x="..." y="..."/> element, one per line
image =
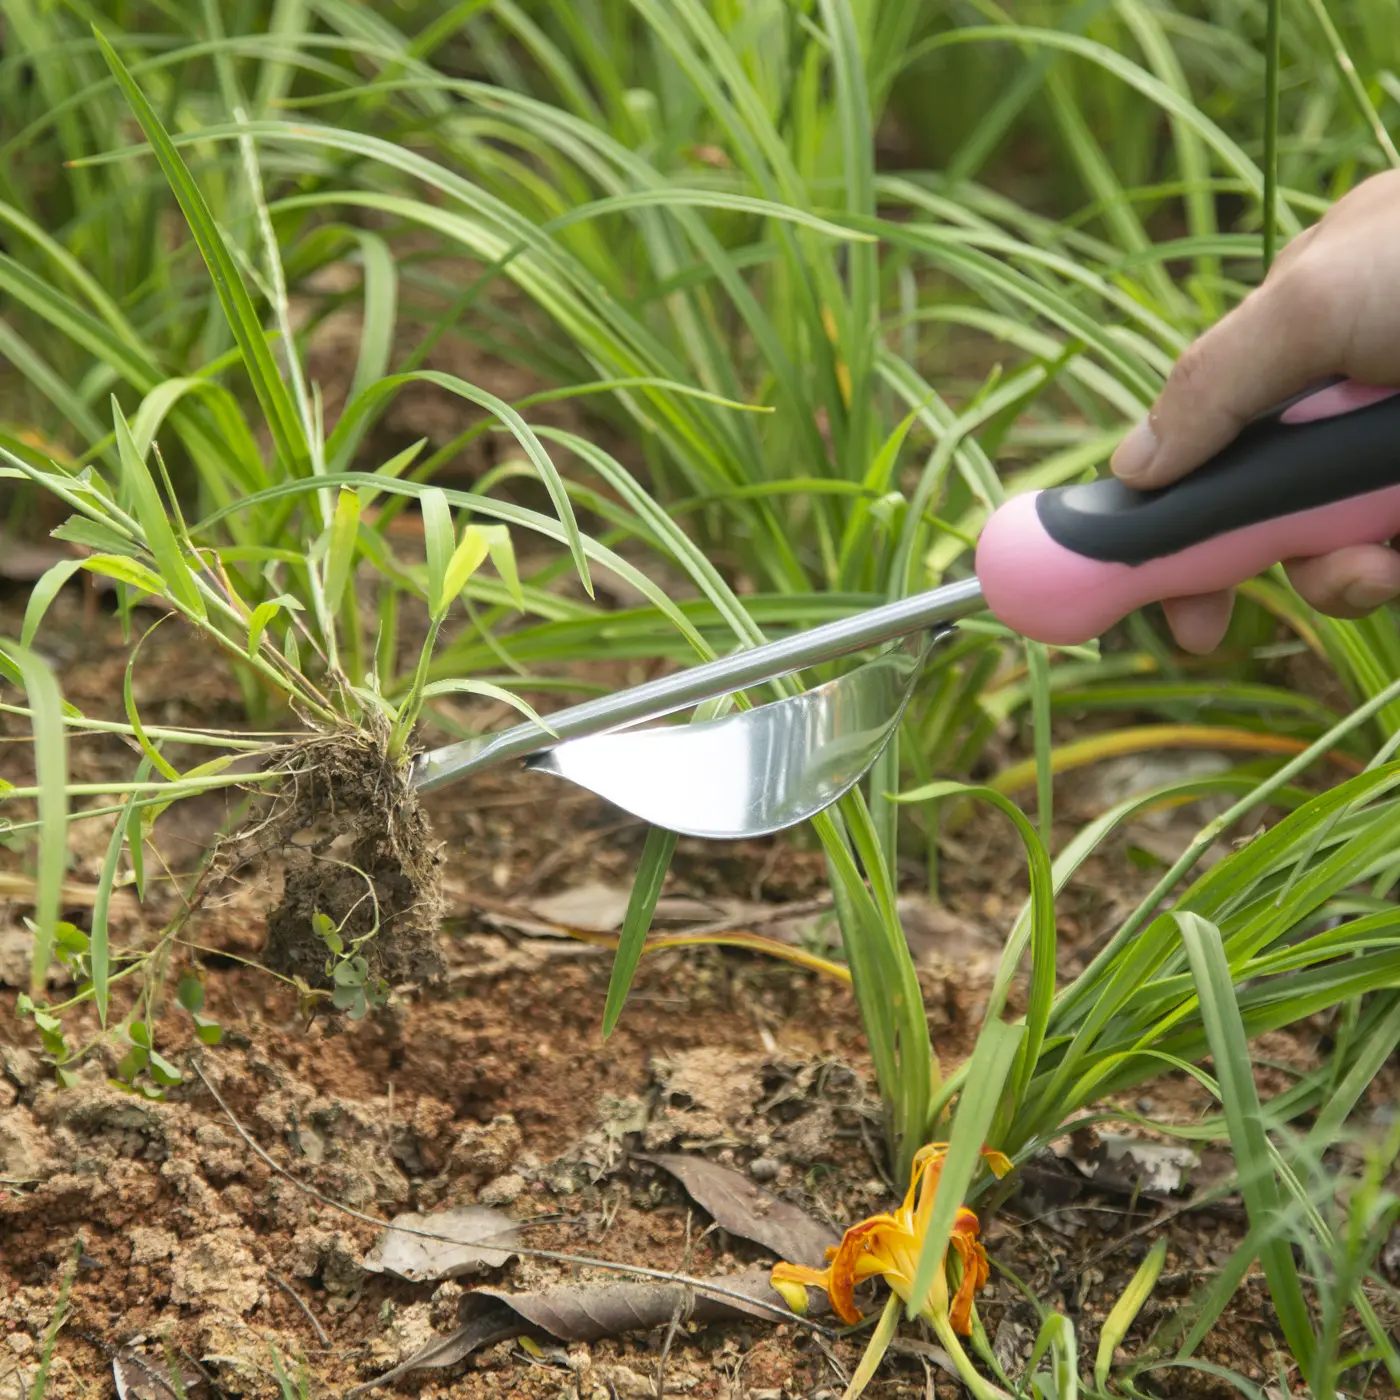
<point x="70" y="940"/>
<point x="345" y="995"/>
<point x="162" y="1071"/>
<point x="190" y="993"/>
<point x="208" y="1032"/>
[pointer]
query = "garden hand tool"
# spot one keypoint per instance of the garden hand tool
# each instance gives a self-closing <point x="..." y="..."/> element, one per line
<point x="1060" y="566"/>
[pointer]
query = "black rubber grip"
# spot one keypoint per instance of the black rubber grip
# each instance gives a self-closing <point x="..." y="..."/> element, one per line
<point x="1271" y="469"/>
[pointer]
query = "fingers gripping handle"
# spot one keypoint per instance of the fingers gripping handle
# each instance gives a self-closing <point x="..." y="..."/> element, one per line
<point x="1315" y="474"/>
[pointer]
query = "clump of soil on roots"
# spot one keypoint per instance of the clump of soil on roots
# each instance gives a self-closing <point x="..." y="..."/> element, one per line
<point x="356" y="846"/>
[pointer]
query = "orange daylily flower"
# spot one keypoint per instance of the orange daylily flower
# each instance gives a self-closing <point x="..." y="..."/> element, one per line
<point x="890" y="1245"/>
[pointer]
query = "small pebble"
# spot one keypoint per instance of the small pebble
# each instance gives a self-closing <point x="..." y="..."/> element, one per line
<point x="764" y="1168"/>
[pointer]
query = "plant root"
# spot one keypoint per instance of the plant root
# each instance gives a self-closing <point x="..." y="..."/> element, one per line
<point x="357" y="849"/>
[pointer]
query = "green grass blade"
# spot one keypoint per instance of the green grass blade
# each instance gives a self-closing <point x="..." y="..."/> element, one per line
<point x="490" y="692"/>
<point x="153" y="756"/>
<point x="988" y="1069"/>
<point x="340" y="554"/>
<point x="262" y="370"/>
<point x="51" y="771"/>
<point x="1125" y="1310"/>
<point x="875" y="1350"/>
<point x="99" y="947"/>
<point x="1225" y="1031"/>
<point x="439" y="540"/>
<point x="1269" y="210"/>
<point x="381" y="292"/>
<point x="1038" y="669"/>
<point x="1036" y="925"/>
<point x="41" y="597"/>
<point x="155" y="523"/>
<point x="1351" y="80"/>
<point x="641" y="905"/>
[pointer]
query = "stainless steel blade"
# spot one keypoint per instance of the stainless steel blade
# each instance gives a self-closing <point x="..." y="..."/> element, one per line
<point x="756" y="771"/>
<point x="680" y="691"/>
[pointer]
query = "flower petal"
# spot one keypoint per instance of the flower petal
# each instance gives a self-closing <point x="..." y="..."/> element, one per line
<point x="975" y="1270"/>
<point x="794" y="1292"/>
<point x="999" y="1162"/>
<point x="859" y="1258"/>
<point x="928" y="1163"/>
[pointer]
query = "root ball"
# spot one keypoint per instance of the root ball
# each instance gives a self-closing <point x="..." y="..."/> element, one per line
<point x="358" y="858"/>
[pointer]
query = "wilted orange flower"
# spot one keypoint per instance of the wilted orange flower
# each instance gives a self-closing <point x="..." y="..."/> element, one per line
<point x="890" y="1245"/>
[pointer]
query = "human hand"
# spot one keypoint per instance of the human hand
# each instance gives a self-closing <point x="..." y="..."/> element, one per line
<point x="1330" y="305"/>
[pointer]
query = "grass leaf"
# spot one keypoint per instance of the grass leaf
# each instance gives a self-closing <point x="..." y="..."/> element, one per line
<point x="641" y="905"/>
<point x="1239" y="1097"/>
<point x="43" y="593"/>
<point x="179" y="582"/>
<point x="502" y="550"/>
<point x="467" y="558"/>
<point x="51" y="770"/>
<point x="99" y="949"/>
<point x="439" y="544"/>
<point x="1126" y="1309"/>
<point x="340" y="556"/>
<point x="988" y="1069"/>
<point x="268" y="385"/>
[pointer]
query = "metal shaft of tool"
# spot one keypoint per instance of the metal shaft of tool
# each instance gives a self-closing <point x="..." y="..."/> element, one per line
<point x="683" y="689"/>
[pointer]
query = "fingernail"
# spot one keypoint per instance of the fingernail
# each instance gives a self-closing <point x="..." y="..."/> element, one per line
<point x="1365" y="594"/>
<point x="1135" y="453"/>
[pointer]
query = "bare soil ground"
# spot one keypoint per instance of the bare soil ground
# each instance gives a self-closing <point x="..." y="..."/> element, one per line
<point x="163" y="1226"/>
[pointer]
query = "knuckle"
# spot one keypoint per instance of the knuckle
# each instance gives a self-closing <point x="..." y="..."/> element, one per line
<point x="1307" y="294"/>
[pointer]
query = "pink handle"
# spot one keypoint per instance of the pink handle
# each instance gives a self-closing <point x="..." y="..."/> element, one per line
<point x="1048" y="593"/>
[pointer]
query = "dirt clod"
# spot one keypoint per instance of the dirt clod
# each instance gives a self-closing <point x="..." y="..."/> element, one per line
<point x="486" y="1150"/>
<point x="217" y="1274"/>
<point x="358" y="850"/>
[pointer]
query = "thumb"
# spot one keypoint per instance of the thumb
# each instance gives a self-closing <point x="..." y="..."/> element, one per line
<point x="1274" y="344"/>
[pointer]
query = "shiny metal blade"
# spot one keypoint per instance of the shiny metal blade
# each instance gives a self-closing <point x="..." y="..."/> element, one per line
<point x="670" y="694"/>
<point x="756" y="771"/>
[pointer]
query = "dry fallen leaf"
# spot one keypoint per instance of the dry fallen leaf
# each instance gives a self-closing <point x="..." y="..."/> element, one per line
<point x="1130" y="1165"/>
<point x="585" y="1312"/>
<point x="465" y="1232"/>
<point x="744" y="1208"/>
<point x="139" y="1378"/>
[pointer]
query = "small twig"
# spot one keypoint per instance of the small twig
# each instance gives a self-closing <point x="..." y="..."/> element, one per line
<point x="303" y="1305"/>
<point x="607" y="1216"/>
<point x="834" y="1361"/>
<point x="685" y="1301"/>
<point x="1204" y="1201"/>
<point x="661" y="1275"/>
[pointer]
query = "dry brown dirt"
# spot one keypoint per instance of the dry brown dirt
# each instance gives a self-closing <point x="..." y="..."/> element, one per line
<point x="163" y="1224"/>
